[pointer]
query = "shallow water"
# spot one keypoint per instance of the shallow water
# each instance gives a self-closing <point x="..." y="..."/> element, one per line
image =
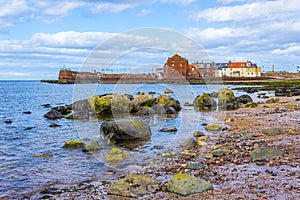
<point x="29" y="135"/>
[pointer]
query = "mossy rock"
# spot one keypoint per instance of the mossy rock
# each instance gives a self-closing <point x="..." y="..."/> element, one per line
<point x="205" y="103"/>
<point x="117" y="155"/>
<point x="168" y="91"/>
<point x="165" y="100"/>
<point x="134" y="186"/>
<point x="143" y="100"/>
<point x="92" y="146"/>
<point x="111" y="103"/>
<point x="213" y="127"/>
<point x="225" y="96"/>
<point x="73" y="144"/>
<point x="220" y="152"/>
<point x="272" y="131"/>
<point x="184" y="185"/>
<point x="272" y="100"/>
<point x="264" y="153"/>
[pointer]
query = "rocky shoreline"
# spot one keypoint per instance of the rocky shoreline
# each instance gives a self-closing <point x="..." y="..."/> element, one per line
<point x="255" y="155"/>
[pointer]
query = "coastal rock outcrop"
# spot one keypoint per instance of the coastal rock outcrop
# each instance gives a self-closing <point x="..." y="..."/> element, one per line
<point x="227" y="100"/>
<point x="184" y="185"/>
<point x="125" y="129"/>
<point x="204" y="102"/>
<point x="134" y="186"/>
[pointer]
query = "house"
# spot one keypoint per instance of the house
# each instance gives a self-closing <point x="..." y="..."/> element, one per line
<point x="241" y="69"/>
<point x="176" y="67"/>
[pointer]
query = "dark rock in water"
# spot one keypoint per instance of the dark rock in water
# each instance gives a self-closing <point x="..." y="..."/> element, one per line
<point x="134" y="186"/>
<point x="280" y="92"/>
<point x="73" y="144"/>
<point x="64" y="110"/>
<point x="188" y="143"/>
<point x="143" y="100"/>
<point x="168" y="91"/>
<point x="165" y="100"/>
<point x="28" y="128"/>
<point x="199" y="133"/>
<point x="146" y="111"/>
<point x="184" y="185"/>
<point x="27" y="112"/>
<point x="8" y="121"/>
<point x="81" y="106"/>
<point x="295" y="92"/>
<point x="272" y="131"/>
<point x="53" y="125"/>
<point x="151" y="92"/>
<point x="46" y="105"/>
<point x="264" y="153"/>
<point x="170" y="129"/>
<point x="244" y="99"/>
<point x="251" y="90"/>
<point x="140" y="93"/>
<point x="125" y="129"/>
<point x="53" y="114"/>
<point x="163" y="109"/>
<point x="204" y="103"/>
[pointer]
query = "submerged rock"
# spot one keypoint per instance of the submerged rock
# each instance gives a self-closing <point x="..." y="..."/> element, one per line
<point x="8" y="121"/>
<point x="53" y="114"/>
<point x="125" y="129"/>
<point x="53" y="125"/>
<point x="134" y="186"/>
<point x="198" y="134"/>
<point x="205" y="103"/>
<point x="73" y="144"/>
<point x="184" y="184"/>
<point x="27" y="112"/>
<point x="169" y="129"/>
<point x="117" y="155"/>
<point x="263" y="153"/>
<point x="272" y="131"/>
<point x="92" y="146"/>
<point x="213" y="127"/>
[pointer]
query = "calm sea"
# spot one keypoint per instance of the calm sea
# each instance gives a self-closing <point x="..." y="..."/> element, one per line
<point x="29" y="135"/>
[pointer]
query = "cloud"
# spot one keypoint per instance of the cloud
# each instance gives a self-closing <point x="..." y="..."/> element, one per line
<point x="144" y="12"/>
<point x="294" y="49"/>
<point x="265" y="10"/>
<point x="183" y="2"/>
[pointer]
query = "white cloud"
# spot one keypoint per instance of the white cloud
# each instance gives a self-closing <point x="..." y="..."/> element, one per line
<point x="62" y="8"/>
<point x="230" y="1"/>
<point x="294" y="49"/>
<point x="144" y="12"/>
<point x="183" y="2"/>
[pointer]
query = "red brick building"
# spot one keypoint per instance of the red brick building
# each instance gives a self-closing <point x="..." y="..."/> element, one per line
<point x="176" y="67"/>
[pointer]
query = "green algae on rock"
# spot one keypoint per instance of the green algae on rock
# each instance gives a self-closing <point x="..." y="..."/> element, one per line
<point x="117" y="155"/>
<point x="73" y="144"/>
<point x="205" y="103"/>
<point x="92" y="146"/>
<point x="264" y="153"/>
<point x="272" y="131"/>
<point x="184" y="185"/>
<point x="134" y="186"/>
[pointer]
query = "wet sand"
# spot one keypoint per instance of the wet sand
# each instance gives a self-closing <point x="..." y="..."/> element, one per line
<point x="234" y="175"/>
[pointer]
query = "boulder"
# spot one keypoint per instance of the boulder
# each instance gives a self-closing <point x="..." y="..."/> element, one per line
<point x="226" y="99"/>
<point x="165" y="100"/>
<point x="146" y="111"/>
<point x="220" y="152"/>
<point x="169" y="129"/>
<point x="272" y="131"/>
<point x="204" y="102"/>
<point x="280" y="92"/>
<point x="64" y="110"/>
<point x="92" y="146"/>
<point x="8" y="121"/>
<point x="198" y="134"/>
<point x="264" y="153"/>
<point x="188" y="143"/>
<point x="81" y="106"/>
<point x="244" y="99"/>
<point x="143" y="100"/>
<point x="214" y="94"/>
<point x="184" y="185"/>
<point x="140" y="93"/>
<point x="117" y="155"/>
<point x="53" y="114"/>
<point x="54" y="125"/>
<point x="73" y="144"/>
<point x="125" y="129"/>
<point x="213" y="127"/>
<point x="163" y="110"/>
<point x="111" y="104"/>
<point x="134" y="186"/>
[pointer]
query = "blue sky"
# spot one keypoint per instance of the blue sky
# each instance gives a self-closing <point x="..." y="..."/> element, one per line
<point x="38" y="37"/>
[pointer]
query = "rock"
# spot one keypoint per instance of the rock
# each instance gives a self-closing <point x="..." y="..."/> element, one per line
<point x="44" y="155"/>
<point x="64" y="110"/>
<point x="229" y="120"/>
<point x="198" y="134"/>
<point x="201" y="143"/>
<point x="184" y="185"/>
<point x="140" y="93"/>
<point x="46" y="105"/>
<point x="117" y="155"/>
<point x="53" y="114"/>
<point x="273" y="100"/>
<point x="78" y="115"/>
<point x="146" y="111"/>
<point x="298" y="99"/>
<point x="8" y="121"/>
<point x="28" y="128"/>
<point x="226" y="99"/>
<point x="81" y="106"/>
<point x="134" y="186"/>
<point x="168" y="91"/>
<point x="92" y="146"/>
<point x="53" y="125"/>
<point x="251" y="90"/>
<point x="125" y="129"/>
<point x="165" y="100"/>
<point x="169" y="129"/>
<point x="295" y="92"/>
<point x="163" y="110"/>
<point x="263" y="153"/>
<point x="188" y="104"/>
<point x="213" y="127"/>
<point x="111" y="104"/>
<point x="272" y="131"/>
<point x="205" y="103"/>
<point x="143" y="100"/>
<point x="214" y="94"/>
<point x="27" y="112"/>
<point x="73" y="144"/>
<point x="188" y="143"/>
<point x="281" y="92"/>
<point x="220" y="152"/>
<point x="244" y="99"/>
<point x="151" y="92"/>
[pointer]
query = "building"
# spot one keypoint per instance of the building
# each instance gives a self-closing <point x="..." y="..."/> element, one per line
<point x="176" y="67"/>
<point x="241" y="70"/>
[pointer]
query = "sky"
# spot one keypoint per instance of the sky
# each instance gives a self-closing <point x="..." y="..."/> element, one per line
<point x="39" y="37"/>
